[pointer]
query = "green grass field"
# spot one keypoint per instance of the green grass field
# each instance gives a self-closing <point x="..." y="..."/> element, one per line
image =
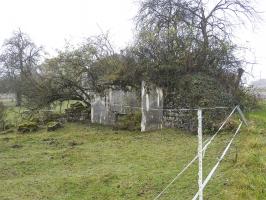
<point x="83" y="161"/>
<point x="261" y="89"/>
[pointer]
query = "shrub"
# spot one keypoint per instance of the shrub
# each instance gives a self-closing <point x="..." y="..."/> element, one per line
<point x="47" y="116"/>
<point x="27" y="127"/>
<point x="198" y="90"/>
<point x="203" y="90"/>
<point x="2" y="116"/>
<point x="77" y="112"/>
<point x="247" y="98"/>
<point x="2" y="110"/>
<point x="129" y="122"/>
<point x="8" y="126"/>
<point x="52" y="126"/>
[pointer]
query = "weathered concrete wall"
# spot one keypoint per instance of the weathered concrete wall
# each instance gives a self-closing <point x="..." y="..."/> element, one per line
<point x="9" y="96"/>
<point x="99" y="110"/>
<point x="123" y="102"/>
<point x="104" y="109"/>
<point x="152" y="107"/>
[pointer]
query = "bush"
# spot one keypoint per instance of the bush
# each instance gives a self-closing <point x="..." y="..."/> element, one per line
<point x="47" y="116"/>
<point x="77" y="112"/>
<point x="231" y="125"/>
<point x="52" y="126"/>
<point x="2" y="110"/>
<point x="8" y="126"/>
<point x="198" y="90"/>
<point x="27" y="127"/>
<point x="247" y="98"/>
<point x="2" y="116"/>
<point x="203" y="90"/>
<point x="129" y="122"/>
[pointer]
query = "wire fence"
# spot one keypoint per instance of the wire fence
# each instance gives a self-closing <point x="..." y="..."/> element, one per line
<point x="201" y="153"/>
<point x="150" y="114"/>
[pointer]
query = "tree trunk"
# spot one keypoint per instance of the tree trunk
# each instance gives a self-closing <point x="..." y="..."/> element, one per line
<point x="240" y="72"/>
<point x="18" y="99"/>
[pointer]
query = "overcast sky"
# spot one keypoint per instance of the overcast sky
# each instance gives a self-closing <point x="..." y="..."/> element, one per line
<point x="51" y="22"/>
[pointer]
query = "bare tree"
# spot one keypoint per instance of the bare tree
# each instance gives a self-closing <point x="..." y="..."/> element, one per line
<point x="19" y="58"/>
<point x="187" y="45"/>
<point x="204" y="25"/>
<point x="76" y="73"/>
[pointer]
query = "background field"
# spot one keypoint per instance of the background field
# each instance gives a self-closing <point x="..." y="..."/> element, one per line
<point x="82" y="161"/>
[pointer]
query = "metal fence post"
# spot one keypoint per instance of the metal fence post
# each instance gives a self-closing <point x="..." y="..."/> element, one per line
<point x="200" y="174"/>
<point x="242" y="116"/>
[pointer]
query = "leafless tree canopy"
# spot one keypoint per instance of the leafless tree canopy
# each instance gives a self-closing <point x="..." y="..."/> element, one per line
<point x="194" y="34"/>
<point x="176" y="39"/>
<point x="19" y="55"/>
<point x="204" y="19"/>
<point x="18" y="61"/>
